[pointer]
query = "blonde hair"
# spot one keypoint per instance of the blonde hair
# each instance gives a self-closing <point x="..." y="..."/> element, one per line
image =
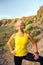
<point x="20" y="22"/>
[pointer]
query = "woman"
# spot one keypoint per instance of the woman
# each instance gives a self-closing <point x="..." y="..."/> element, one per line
<point x="21" y="40"/>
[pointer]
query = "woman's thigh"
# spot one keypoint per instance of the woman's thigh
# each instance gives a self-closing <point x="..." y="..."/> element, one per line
<point x="30" y="57"/>
<point x="18" y="60"/>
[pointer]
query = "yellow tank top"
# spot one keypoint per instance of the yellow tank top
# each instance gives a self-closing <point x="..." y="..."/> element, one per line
<point x="21" y="45"/>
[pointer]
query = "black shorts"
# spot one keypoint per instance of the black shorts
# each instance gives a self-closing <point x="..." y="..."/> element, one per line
<point x="29" y="57"/>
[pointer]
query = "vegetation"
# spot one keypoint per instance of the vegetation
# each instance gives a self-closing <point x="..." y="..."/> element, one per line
<point x="35" y="32"/>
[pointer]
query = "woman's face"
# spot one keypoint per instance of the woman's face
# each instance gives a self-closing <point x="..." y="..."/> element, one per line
<point x="20" y="27"/>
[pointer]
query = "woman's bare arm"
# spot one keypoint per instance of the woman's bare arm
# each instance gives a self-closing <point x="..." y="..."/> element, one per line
<point x="10" y="41"/>
<point x="34" y="43"/>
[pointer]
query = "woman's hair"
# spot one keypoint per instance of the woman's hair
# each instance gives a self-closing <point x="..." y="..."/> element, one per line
<point x="20" y="22"/>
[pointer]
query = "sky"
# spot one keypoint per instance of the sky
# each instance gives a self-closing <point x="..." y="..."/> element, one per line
<point x="19" y="8"/>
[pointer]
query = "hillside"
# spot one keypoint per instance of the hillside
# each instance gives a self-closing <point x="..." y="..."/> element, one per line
<point x="33" y="25"/>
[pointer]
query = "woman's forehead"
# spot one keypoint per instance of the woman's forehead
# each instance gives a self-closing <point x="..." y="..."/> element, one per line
<point x="20" y="23"/>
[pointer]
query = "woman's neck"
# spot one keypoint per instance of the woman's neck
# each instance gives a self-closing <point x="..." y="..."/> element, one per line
<point x="21" y="33"/>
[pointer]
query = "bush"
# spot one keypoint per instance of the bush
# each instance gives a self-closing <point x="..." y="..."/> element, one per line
<point x="35" y="32"/>
<point x="1" y="44"/>
<point x="28" y="27"/>
<point x="28" y="22"/>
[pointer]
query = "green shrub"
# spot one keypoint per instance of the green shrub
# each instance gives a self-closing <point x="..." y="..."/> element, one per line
<point x="1" y="44"/>
<point x="28" y="27"/>
<point x="28" y="22"/>
<point x="35" y="32"/>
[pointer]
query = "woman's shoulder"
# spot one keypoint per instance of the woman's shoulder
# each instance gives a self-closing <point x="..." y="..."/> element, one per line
<point x="29" y="35"/>
<point x="13" y="35"/>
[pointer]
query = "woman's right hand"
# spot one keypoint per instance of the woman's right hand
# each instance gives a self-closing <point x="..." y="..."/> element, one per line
<point x="13" y="52"/>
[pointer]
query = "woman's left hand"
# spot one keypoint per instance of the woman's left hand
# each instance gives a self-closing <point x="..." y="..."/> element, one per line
<point x="36" y="56"/>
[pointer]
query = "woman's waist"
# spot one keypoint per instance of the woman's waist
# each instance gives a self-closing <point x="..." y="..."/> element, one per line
<point x="21" y="52"/>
